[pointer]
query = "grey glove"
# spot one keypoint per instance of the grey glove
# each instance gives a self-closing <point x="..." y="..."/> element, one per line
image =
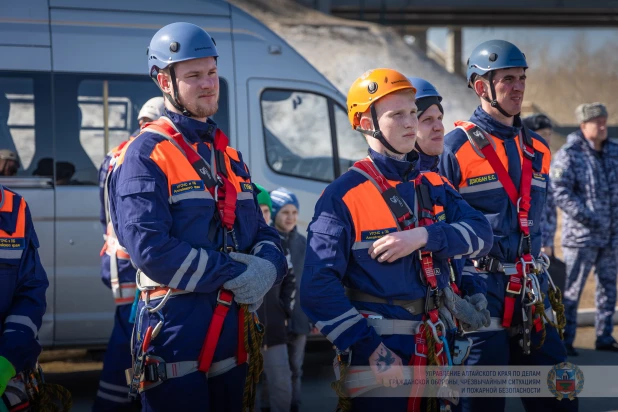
<point x="447" y="318"/>
<point x="467" y="312"/>
<point x="478" y="300"/>
<point x="250" y="286"/>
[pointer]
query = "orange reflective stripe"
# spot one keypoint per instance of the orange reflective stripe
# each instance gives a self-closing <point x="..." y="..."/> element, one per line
<point x="235" y="179"/>
<point x="433" y="178"/>
<point x="232" y="153"/>
<point x="540" y="147"/>
<point x="374" y="215"/>
<point x="368" y="215"/>
<point x="173" y="164"/>
<point x="20" y="227"/>
<point x="7" y="205"/>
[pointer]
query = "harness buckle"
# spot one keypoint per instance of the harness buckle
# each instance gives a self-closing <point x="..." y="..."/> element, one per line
<point x="222" y="301"/>
<point x="509" y="289"/>
<point x="154" y="370"/>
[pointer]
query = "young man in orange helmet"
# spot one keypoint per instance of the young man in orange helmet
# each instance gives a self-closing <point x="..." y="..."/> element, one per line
<point x="377" y="271"/>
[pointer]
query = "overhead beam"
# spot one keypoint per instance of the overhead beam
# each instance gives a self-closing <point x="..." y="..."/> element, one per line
<point x="467" y="17"/>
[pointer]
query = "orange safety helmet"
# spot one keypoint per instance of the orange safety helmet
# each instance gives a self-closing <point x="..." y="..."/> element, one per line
<point x="370" y="87"/>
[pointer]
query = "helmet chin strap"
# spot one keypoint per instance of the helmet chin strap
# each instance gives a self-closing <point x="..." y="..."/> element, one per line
<point x="377" y="133"/>
<point x="493" y="102"/>
<point x="174" y="99"/>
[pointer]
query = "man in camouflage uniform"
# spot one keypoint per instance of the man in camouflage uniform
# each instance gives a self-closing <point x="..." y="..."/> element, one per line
<point x="585" y="182"/>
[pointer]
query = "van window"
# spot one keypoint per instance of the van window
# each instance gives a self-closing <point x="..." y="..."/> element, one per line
<point x="351" y="145"/>
<point x="84" y="137"/>
<point x="297" y="134"/>
<point x="25" y="121"/>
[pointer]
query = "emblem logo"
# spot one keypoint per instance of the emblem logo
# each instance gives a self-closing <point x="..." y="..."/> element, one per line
<point x="372" y="87"/>
<point x="565" y="380"/>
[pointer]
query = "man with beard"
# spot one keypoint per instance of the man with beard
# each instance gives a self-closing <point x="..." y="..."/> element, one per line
<point x="501" y="169"/>
<point x="183" y="205"/>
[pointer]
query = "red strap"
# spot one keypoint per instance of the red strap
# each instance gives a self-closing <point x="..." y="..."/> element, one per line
<point x="428" y="270"/>
<point x="224" y="300"/>
<point x="367" y="166"/>
<point x="241" y="353"/>
<point x="419" y="361"/>
<point x="522" y="199"/>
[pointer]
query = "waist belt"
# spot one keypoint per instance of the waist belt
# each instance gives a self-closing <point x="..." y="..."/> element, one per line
<point x="415" y="307"/>
<point x="160" y="292"/>
<point x="157" y="371"/>
<point x="491" y="264"/>
<point x="496" y="324"/>
<point x="394" y="326"/>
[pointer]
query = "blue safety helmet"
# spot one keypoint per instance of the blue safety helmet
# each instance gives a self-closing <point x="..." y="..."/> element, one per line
<point x="178" y="42"/>
<point x="424" y="88"/>
<point x="426" y="95"/>
<point x="493" y="55"/>
<point x="490" y="56"/>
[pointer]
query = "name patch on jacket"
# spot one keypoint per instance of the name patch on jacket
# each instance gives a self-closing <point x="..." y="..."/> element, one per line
<point x="12" y="243"/>
<point x="246" y="187"/>
<point x="376" y="234"/>
<point x="190" y="186"/>
<point x="540" y="176"/>
<point x="482" y="179"/>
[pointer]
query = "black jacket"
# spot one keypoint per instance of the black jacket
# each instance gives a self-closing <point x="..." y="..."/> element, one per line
<point x="276" y="311"/>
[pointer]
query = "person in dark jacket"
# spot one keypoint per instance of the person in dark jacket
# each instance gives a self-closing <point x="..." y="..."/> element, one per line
<point x="275" y="314"/>
<point x="541" y="125"/>
<point x="285" y="215"/>
<point x="585" y="184"/>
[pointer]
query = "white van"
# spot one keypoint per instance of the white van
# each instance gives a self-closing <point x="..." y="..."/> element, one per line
<point x="73" y="76"/>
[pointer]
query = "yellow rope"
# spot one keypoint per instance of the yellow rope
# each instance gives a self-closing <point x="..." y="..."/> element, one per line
<point x="256" y="361"/>
<point x="345" y="402"/>
<point x="432" y="400"/>
<point x="555" y="300"/>
<point x="49" y="397"/>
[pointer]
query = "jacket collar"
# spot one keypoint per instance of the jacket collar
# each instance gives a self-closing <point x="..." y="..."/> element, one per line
<point x="577" y="137"/>
<point x="399" y="170"/>
<point x="490" y="125"/>
<point x="428" y="163"/>
<point x="193" y="130"/>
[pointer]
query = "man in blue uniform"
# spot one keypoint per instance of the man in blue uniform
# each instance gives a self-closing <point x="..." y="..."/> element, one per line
<point x="23" y="283"/>
<point x="501" y="169"/>
<point x="183" y="205"/>
<point x="118" y="274"/>
<point x="377" y="268"/>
